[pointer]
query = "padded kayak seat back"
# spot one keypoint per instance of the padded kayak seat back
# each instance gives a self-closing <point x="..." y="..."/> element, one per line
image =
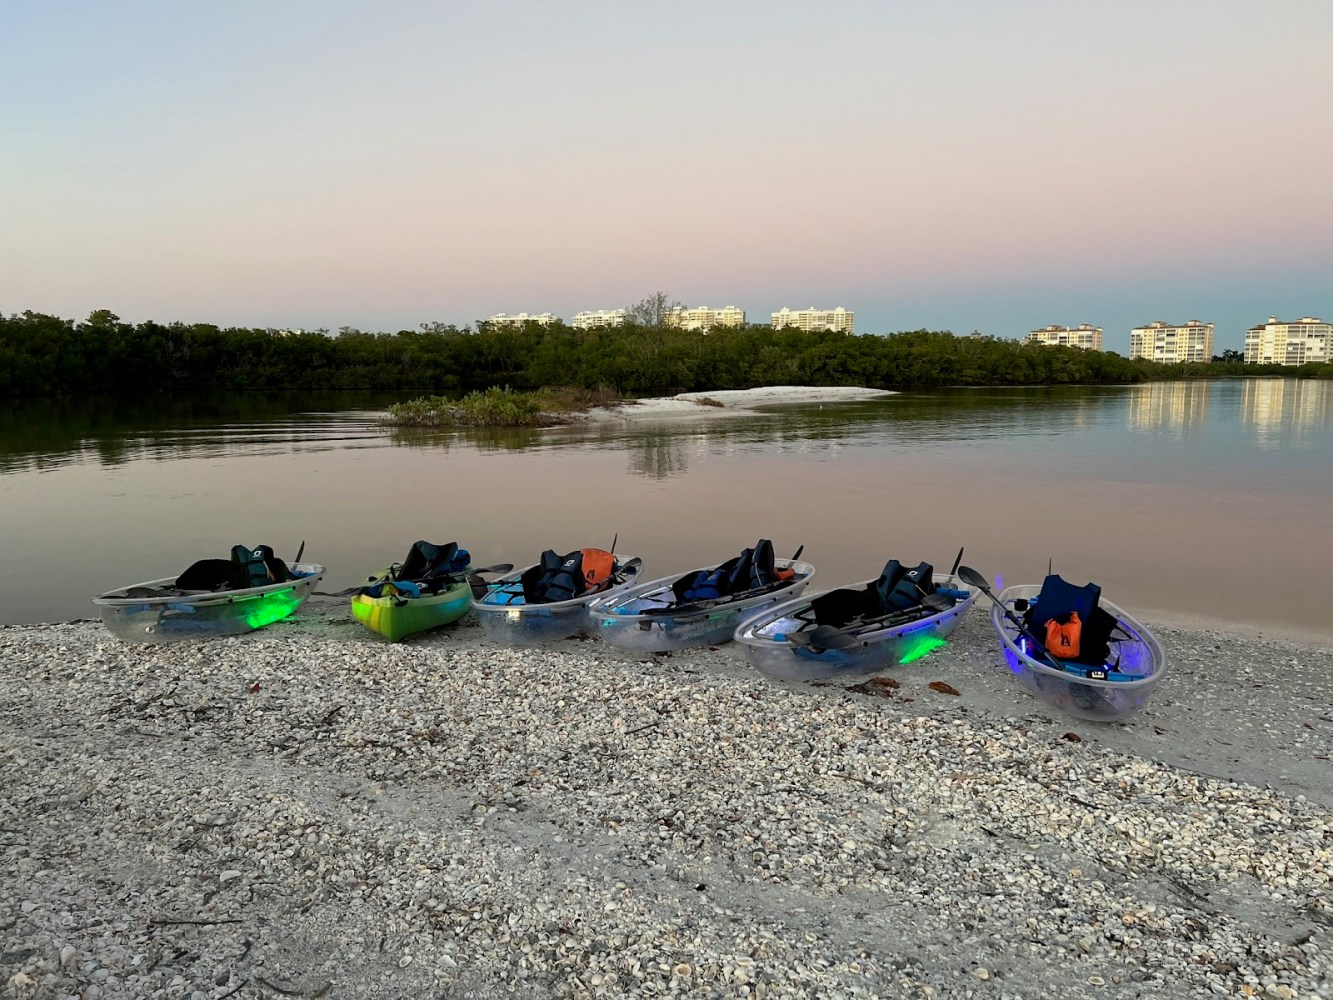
<point x="426" y="560"/>
<point x="1059" y="600"/>
<point x="897" y="589"/>
<point x="257" y="567"/>
<point x="753" y="569"/>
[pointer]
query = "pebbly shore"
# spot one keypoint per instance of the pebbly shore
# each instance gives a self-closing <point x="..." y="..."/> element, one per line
<point x="309" y="811"/>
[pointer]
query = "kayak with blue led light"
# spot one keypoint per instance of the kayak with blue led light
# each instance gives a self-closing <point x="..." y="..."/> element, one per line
<point x="1075" y="650"/>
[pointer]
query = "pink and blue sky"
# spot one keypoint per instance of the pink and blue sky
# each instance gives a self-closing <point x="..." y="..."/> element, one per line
<point x="969" y="165"/>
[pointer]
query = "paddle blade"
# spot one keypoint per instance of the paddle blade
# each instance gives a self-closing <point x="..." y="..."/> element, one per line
<point x="972" y="578"/>
<point x="937" y="602"/>
<point x="828" y="637"/>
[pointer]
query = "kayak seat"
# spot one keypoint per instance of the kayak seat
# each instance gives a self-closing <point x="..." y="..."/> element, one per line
<point x="898" y="589"/>
<point x="257" y="567"/>
<point x="1059" y="600"/>
<point x="753" y="569"/>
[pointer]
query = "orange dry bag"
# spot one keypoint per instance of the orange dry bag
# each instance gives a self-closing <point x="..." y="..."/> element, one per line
<point x="598" y="565"/>
<point x="1062" y="640"/>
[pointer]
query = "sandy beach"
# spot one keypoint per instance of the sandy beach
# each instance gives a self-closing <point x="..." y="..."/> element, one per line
<point x="731" y="402"/>
<point x="310" y="811"/>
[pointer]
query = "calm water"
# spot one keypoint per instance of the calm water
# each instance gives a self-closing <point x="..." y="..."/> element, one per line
<point x="1212" y="500"/>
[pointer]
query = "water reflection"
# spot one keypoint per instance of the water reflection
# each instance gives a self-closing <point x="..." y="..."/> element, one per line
<point x="1285" y="412"/>
<point x="1179" y="409"/>
<point x="42" y="435"/>
<point x="1099" y="477"/>
<point x="660" y="454"/>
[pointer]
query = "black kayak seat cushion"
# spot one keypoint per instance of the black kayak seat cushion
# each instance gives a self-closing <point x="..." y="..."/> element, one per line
<point x="897" y="589"/>
<point x="257" y="567"/>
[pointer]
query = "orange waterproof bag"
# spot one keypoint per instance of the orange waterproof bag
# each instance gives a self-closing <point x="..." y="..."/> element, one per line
<point x="598" y="565"/>
<point x="1062" y="640"/>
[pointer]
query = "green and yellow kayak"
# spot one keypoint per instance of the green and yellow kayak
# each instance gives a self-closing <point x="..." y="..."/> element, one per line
<point x="396" y="614"/>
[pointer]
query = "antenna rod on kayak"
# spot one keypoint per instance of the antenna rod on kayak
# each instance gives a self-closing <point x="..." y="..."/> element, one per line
<point x="956" y="563"/>
<point x="300" y="551"/>
<point x="614" y="540"/>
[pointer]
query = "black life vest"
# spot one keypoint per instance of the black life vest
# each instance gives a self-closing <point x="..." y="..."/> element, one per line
<point x="554" y="578"/>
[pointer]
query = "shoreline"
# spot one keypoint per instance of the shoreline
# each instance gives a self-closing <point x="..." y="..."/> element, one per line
<point x="733" y="402"/>
<point x="309" y="808"/>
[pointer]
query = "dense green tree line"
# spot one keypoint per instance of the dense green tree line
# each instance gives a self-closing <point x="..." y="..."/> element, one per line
<point x="46" y="356"/>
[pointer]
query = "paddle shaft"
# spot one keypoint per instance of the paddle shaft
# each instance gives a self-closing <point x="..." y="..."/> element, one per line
<point x="975" y="579"/>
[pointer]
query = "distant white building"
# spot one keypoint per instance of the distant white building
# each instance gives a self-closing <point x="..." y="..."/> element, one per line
<point x="598" y="317"/>
<point x="1169" y="343"/>
<point x="838" y="320"/>
<point x="1308" y="339"/>
<point x="703" y="318"/>
<point x="1085" y="336"/>
<point x="504" y="319"/>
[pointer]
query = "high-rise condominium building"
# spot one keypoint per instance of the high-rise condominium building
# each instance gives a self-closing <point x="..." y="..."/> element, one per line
<point x="1083" y="335"/>
<point x="703" y="318"/>
<point x="503" y="319"/>
<point x="839" y="319"/>
<point x="1308" y="339"/>
<point x="1166" y="342"/>
<point x="588" y="319"/>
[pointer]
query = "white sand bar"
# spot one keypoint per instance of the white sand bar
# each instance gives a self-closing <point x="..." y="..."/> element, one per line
<point x="734" y="401"/>
<point x="310" y="811"/>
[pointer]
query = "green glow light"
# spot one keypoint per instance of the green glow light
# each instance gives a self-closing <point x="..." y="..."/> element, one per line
<point x="918" y="648"/>
<point x="271" y="608"/>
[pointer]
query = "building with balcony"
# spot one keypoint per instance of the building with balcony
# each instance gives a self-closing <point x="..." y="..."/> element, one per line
<point x="504" y="319"/>
<point x="703" y="318"/>
<point x="1302" y="342"/>
<point x="1087" y="337"/>
<point x="588" y="319"/>
<point x="839" y="320"/>
<point x="1169" y="343"/>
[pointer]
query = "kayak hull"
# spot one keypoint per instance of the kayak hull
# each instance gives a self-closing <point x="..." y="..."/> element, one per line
<point x="1142" y="664"/>
<point x="641" y="618"/>
<point x="765" y="640"/>
<point x="506" y="618"/>
<point x="397" y="618"/>
<point x="202" y="615"/>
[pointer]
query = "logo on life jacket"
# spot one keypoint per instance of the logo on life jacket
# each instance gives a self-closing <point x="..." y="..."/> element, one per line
<point x="1062" y="638"/>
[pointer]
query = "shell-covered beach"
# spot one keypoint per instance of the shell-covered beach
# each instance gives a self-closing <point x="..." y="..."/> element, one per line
<point x="309" y="811"/>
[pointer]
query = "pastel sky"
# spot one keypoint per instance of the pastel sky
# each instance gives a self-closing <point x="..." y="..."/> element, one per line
<point x="961" y="165"/>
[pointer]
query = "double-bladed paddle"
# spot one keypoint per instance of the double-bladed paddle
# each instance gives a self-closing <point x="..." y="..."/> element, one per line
<point x="829" y="637"/>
